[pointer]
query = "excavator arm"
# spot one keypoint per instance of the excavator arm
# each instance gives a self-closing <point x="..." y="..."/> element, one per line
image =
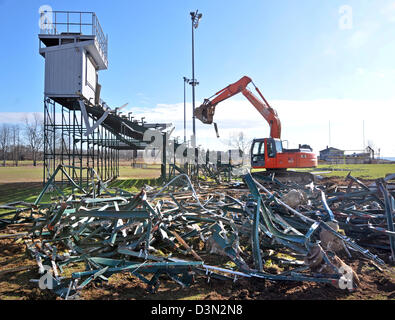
<point x="205" y="112"/>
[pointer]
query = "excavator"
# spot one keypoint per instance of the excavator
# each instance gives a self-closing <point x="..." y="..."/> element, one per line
<point x="266" y="153"/>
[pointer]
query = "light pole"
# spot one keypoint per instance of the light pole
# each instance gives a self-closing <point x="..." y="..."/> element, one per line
<point x="195" y="17"/>
<point x="185" y="123"/>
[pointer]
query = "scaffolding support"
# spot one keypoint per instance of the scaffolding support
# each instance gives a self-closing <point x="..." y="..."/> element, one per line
<point x="65" y="144"/>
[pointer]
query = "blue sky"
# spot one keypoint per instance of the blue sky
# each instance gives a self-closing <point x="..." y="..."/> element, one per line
<point x="293" y="50"/>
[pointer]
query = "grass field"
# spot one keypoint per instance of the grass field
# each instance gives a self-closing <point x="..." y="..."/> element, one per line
<point x="35" y="174"/>
<point x="10" y="163"/>
<point x="21" y="174"/>
<point x="363" y="171"/>
<point x="127" y="172"/>
<point x="24" y="183"/>
<point x="20" y="191"/>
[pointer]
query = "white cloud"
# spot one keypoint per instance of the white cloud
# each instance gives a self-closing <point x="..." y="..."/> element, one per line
<point x="17" y="117"/>
<point x="329" y="51"/>
<point x="363" y="33"/>
<point x="302" y="122"/>
<point x="388" y="74"/>
<point x="358" y="39"/>
<point x="388" y="11"/>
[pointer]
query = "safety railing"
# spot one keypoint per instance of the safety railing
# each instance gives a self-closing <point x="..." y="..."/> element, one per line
<point x="74" y="22"/>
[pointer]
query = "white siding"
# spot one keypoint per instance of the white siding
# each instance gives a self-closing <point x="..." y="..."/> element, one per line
<point x="63" y="70"/>
<point x="90" y="74"/>
<point x="69" y="69"/>
<point x="88" y="78"/>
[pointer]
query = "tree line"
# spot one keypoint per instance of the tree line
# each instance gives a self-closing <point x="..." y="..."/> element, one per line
<point x="25" y="141"/>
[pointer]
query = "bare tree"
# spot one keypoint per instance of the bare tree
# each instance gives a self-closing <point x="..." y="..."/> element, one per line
<point x="35" y="135"/>
<point x="4" y="141"/>
<point x="371" y="144"/>
<point x="239" y="141"/>
<point x="16" y="142"/>
<point x="371" y="148"/>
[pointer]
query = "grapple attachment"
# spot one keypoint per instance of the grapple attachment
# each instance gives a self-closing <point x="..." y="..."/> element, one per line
<point x="205" y="112"/>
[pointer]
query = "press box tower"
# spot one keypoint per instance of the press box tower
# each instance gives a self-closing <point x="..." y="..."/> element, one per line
<point x="75" y="49"/>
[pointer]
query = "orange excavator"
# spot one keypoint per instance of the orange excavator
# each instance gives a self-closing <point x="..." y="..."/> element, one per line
<point x="267" y="153"/>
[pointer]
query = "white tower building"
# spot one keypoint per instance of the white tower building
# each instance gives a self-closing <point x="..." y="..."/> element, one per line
<point x="75" y="49"/>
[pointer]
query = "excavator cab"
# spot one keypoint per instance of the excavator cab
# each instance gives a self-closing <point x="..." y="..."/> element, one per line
<point x="269" y="153"/>
<point x="264" y="151"/>
<point x="258" y="153"/>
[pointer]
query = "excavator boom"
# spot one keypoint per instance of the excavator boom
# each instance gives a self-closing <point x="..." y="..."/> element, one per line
<point x="267" y="153"/>
<point x="205" y="112"/>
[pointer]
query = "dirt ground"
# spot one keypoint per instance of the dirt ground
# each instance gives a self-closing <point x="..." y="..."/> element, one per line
<point x="374" y="283"/>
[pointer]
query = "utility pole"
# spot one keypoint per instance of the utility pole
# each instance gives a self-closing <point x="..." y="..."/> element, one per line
<point x="185" y="123"/>
<point x="195" y="17"/>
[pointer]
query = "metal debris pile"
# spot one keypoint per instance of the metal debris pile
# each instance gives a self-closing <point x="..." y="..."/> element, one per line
<point x="255" y="228"/>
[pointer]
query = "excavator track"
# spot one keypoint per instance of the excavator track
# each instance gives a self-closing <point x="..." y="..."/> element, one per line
<point x="284" y="176"/>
